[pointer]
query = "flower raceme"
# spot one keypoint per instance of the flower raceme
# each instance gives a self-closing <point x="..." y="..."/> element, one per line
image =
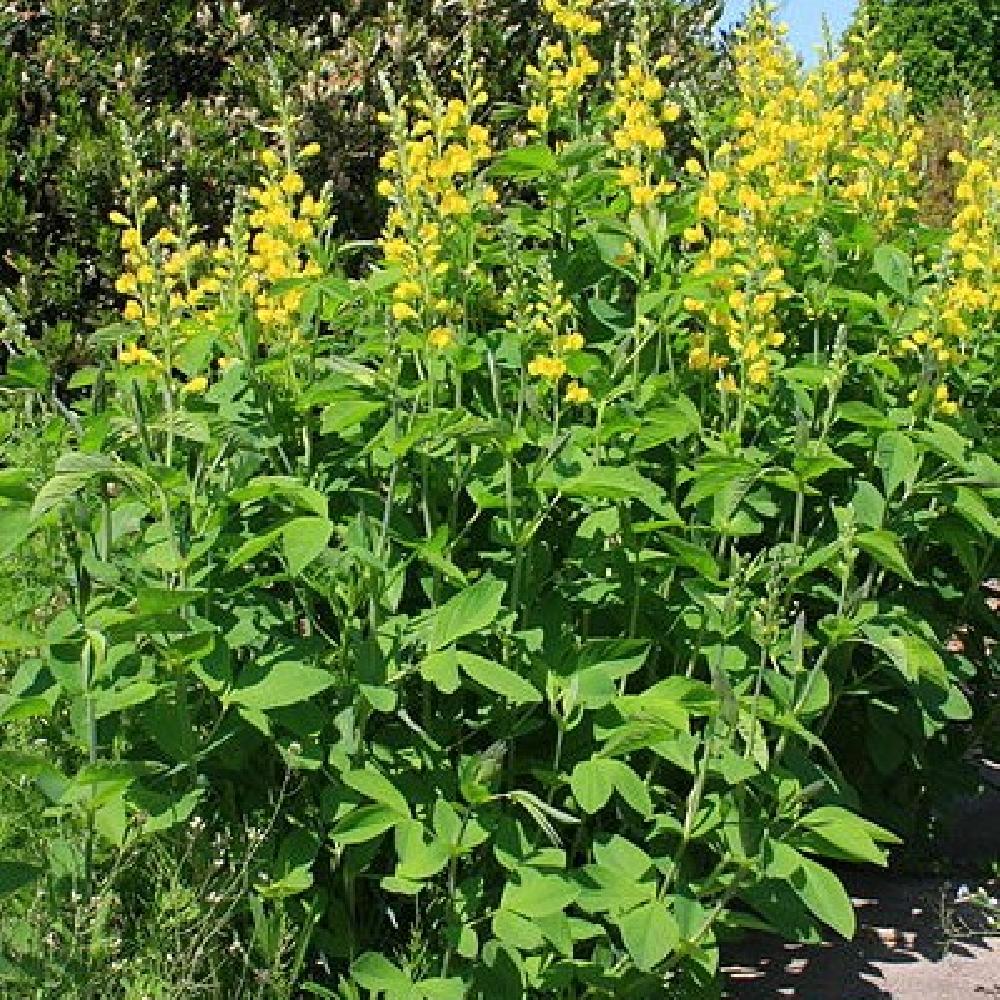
<point x="641" y="110"/>
<point x="177" y="286"/>
<point x="965" y="294"/>
<point x="804" y="143"/>
<point x="434" y="193"/>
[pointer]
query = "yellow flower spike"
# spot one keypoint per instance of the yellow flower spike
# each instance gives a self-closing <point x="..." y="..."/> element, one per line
<point x="195" y="386"/>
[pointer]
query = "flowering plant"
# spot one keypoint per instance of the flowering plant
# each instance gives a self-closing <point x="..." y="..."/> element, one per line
<point x="590" y="560"/>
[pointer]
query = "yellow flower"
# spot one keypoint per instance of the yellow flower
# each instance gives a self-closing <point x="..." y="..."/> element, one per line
<point x="129" y="355"/>
<point x="576" y="393"/>
<point x="758" y="372"/>
<point x="118" y="219"/>
<point x="545" y="367"/>
<point x="629" y="176"/>
<point x="309" y="150"/>
<point x="126" y="284"/>
<point x="440" y="337"/>
<point x="386" y="188"/>
<point x="150" y="203"/>
<point x="538" y="115"/>
<point x="132" y="311"/>
<point x="403" y="311"/>
<point x="292" y="183"/>
<point x="197" y="385"/>
<point x="699" y="358"/>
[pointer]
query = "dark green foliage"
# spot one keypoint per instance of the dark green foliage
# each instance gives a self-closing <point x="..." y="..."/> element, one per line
<point x="948" y="46"/>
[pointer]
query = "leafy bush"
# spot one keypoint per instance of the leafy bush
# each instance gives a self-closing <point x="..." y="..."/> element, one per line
<point x="590" y="561"/>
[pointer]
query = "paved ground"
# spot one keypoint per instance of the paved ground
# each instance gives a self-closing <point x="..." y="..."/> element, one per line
<point x="898" y="952"/>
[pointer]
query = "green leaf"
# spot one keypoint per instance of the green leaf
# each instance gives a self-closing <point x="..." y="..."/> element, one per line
<point x="894" y="268"/>
<point x="632" y="788"/>
<point x="303" y="539"/>
<point x="418" y="858"/>
<point x="15" y="529"/>
<point x="284" y="683"/>
<point x="364" y="823"/>
<point x="885" y="548"/>
<point x="346" y="414"/>
<point x="818" y="888"/>
<point x="376" y="973"/>
<point x="671" y="423"/>
<point x="836" y="833"/>
<point x="289" y="489"/>
<point x="15" y="875"/>
<point x="592" y="783"/>
<point x="971" y="506"/>
<point x="128" y="695"/>
<point x="692" y="555"/>
<point x="57" y="491"/>
<point x="498" y="678"/>
<point x="291" y="874"/>
<point x="18" y="639"/>
<point x="26" y="373"/>
<point x="472" y="610"/>
<point x="538" y="895"/>
<point x="896" y="456"/>
<point x="150" y="601"/>
<point x="864" y="414"/>
<point x="373" y="785"/>
<point x="910" y="654"/>
<point x="608" y="483"/>
<point x="15" y="484"/>
<point x="650" y="934"/>
<point x="441" y="670"/>
<point x="524" y="162"/>
<point x="162" y="812"/>
<point x="442" y="989"/>
<point x="252" y="547"/>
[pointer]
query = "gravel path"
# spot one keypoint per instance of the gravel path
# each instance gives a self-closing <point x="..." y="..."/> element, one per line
<point x="899" y="952"/>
